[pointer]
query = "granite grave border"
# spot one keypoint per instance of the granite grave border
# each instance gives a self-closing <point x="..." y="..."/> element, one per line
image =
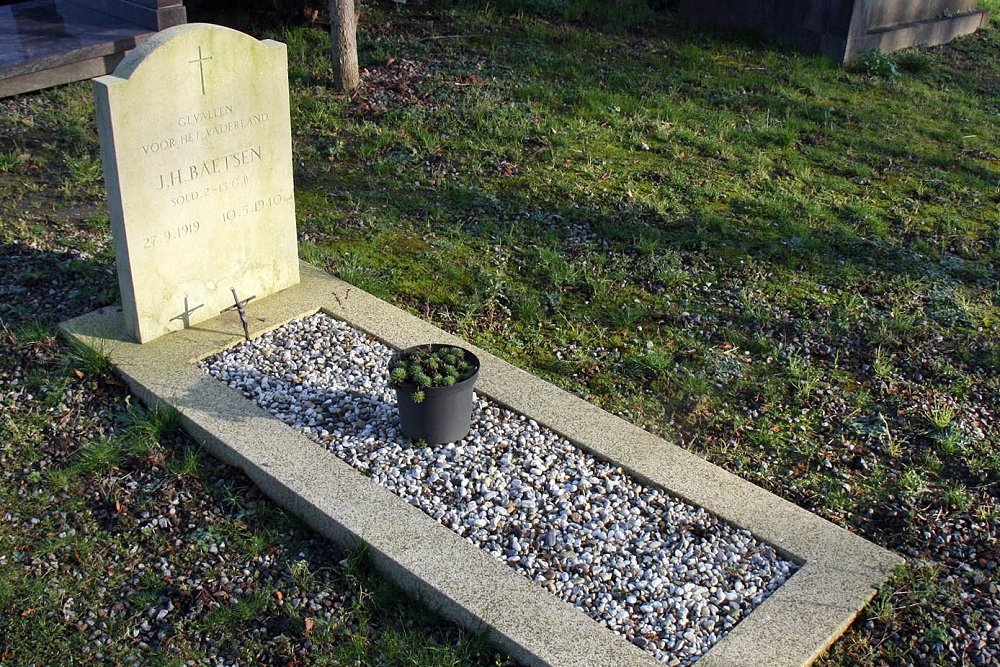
<point x="839" y="570"/>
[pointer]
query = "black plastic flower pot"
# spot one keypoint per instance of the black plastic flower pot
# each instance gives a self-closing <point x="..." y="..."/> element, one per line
<point x="445" y="413"/>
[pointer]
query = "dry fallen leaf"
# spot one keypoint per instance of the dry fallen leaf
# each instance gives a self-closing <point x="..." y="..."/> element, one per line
<point x="310" y="624"/>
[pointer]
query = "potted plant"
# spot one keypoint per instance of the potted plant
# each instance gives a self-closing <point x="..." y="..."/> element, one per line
<point x="434" y="385"/>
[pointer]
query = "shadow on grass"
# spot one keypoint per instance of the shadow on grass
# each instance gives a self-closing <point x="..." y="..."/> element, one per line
<point x="48" y="287"/>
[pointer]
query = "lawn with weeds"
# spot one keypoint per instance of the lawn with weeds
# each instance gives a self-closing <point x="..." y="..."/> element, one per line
<point x="121" y="542"/>
<point x="788" y="267"/>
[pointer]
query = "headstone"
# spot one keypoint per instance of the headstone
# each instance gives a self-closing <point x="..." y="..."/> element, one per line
<point x="196" y="144"/>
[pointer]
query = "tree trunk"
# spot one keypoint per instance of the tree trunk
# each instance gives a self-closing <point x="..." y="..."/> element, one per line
<point x="343" y="37"/>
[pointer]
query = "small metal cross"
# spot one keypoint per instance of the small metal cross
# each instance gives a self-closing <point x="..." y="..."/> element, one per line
<point x="201" y="67"/>
<point x="240" y="307"/>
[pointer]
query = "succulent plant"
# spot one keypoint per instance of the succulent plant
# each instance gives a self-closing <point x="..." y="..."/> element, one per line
<point x="431" y="366"/>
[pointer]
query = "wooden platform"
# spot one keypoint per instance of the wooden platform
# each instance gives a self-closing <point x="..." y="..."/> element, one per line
<point x="50" y="42"/>
<point x="843" y="29"/>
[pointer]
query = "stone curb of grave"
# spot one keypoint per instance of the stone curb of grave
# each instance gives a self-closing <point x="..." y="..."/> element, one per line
<point x="792" y="627"/>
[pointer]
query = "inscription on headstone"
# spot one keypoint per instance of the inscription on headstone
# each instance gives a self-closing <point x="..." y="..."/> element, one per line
<point x="196" y="144"/>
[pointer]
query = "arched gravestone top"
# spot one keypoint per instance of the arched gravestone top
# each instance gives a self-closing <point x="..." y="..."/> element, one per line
<point x="196" y="145"/>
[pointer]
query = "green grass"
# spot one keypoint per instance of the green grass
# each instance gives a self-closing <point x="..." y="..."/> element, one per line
<point x="87" y="360"/>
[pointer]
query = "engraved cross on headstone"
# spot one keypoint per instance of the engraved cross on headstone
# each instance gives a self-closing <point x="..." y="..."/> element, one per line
<point x="201" y="67"/>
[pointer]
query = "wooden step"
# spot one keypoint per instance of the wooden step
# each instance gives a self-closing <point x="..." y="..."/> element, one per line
<point x="842" y="29"/>
<point x="930" y="32"/>
<point x="50" y="42"/>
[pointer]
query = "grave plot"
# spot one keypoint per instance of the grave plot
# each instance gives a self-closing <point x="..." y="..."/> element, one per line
<point x="837" y="570"/>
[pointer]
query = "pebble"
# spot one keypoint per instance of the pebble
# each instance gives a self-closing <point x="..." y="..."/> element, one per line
<point x="631" y="556"/>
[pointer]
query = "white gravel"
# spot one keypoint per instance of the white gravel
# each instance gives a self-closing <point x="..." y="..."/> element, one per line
<point x="670" y="577"/>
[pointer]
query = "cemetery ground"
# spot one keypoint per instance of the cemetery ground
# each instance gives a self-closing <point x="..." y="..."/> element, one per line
<point x="789" y="268"/>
